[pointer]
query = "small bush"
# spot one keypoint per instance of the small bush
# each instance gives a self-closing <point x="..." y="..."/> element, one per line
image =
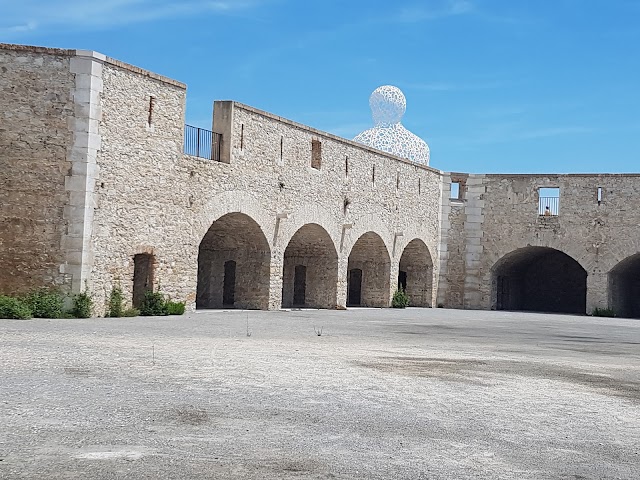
<point x="115" y="308"/>
<point x="131" y="312"/>
<point x="14" y="308"/>
<point x="45" y="304"/>
<point x="603" y="312"/>
<point x="400" y="299"/>
<point x="82" y="305"/>
<point x="175" y="308"/>
<point x="153" y="304"/>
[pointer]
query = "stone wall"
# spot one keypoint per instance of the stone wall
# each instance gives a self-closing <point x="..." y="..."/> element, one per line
<point x="597" y="235"/>
<point x="93" y="174"/>
<point x="36" y="134"/>
<point x="152" y="198"/>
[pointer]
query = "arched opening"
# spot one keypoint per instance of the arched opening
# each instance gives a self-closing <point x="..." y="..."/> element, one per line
<point x="368" y="273"/>
<point x="624" y="287"/>
<point x="539" y="279"/>
<point x="233" y="265"/>
<point x="310" y="270"/>
<point x="142" y="277"/>
<point x="416" y="273"/>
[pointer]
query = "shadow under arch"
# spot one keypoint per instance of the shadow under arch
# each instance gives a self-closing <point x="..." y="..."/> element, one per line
<point x="539" y="279"/>
<point x="369" y="270"/>
<point x="415" y="275"/>
<point x="233" y="265"/>
<point x="624" y="287"/>
<point x="310" y="269"/>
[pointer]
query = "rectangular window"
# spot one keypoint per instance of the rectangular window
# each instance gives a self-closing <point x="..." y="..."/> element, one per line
<point x="316" y="154"/>
<point x="548" y="202"/>
<point x="455" y="190"/>
<point x="599" y="195"/>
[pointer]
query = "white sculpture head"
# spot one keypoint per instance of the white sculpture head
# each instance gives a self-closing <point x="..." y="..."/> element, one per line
<point x="388" y="105"/>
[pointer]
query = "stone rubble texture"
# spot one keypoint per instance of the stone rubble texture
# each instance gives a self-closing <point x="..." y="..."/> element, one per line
<point x="88" y="183"/>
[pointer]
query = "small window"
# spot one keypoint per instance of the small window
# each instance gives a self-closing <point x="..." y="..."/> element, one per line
<point x="152" y="104"/>
<point x="316" y="154"/>
<point x="455" y="190"/>
<point x="373" y="175"/>
<point x="548" y="202"/>
<point x="599" y="195"/>
<point x="346" y="166"/>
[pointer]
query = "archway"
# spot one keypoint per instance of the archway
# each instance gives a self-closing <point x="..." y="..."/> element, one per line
<point x="416" y="273"/>
<point x="310" y="270"/>
<point x="368" y="272"/>
<point x="233" y="265"/>
<point x="539" y="279"/>
<point x="624" y="287"/>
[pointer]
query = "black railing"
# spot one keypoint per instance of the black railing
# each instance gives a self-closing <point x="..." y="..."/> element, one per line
<point x="549" y="206"/>
<point x="202" y="143"/>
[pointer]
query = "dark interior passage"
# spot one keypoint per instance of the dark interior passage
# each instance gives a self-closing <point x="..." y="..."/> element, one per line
<point x="354" y="282"/>
<point x="370" y="258"/>
<point x="142" y="277"/>
<point x="233" y="265"/>
<point x="416" y="273"/>
<point x="310" y="270"/>
<point x="624" y="288"/>
<point x="539" y="279"/>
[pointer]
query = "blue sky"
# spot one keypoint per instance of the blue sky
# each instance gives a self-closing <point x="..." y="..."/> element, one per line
<point x="491" y="85"/>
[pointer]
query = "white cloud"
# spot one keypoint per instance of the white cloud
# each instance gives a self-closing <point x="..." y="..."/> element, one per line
<point x="447" y="8"/>
<point x="29" y="15"/>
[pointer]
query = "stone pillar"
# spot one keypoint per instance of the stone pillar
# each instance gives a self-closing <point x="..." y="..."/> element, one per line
<point x="81" y="181"/>
<point x="223" y="124"/>
<point x="474" y="217"/>
<point x="597" y="291"/>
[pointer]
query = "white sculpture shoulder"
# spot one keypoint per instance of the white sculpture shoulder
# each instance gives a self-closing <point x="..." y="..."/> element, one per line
<point x="388" y="105"/>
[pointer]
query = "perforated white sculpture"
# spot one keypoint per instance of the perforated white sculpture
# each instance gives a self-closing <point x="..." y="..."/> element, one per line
<point x="388" y="105"/>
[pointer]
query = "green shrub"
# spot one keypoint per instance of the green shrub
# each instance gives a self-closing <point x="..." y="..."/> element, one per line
<point x="45" y="304"/>
<point x="14" y="308"/>
<point x="175" y="308"/>
<point x="115" y="308"/>
<point x="400" y="299"/>
<point x="131" y="312"/>
<point x="603" y="312"/>
<point x="153" y="304"/>
<point x="82" y="305"/>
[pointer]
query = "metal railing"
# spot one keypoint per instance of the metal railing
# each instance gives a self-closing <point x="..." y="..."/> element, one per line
<point x="202" y="143"/>
<point x="549" y="206"/>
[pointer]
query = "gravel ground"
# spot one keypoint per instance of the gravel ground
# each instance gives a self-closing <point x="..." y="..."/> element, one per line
<point x="381" y="394"/>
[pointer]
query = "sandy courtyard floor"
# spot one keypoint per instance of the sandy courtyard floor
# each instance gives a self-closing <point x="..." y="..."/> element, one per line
<point x="381" y="394"/>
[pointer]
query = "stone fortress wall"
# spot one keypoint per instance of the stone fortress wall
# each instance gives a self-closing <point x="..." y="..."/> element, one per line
<point x="289" y="216"/>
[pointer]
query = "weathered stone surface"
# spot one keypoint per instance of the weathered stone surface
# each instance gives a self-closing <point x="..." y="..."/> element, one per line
<point x="93" y="173"/>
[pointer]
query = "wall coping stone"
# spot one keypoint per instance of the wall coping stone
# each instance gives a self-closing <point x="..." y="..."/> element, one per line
<point x="331" y="136"/>
<point x="95" y="55"/>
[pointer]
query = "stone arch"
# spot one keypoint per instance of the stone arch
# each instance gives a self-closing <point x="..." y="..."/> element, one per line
<point x="234" y="264"/>
<point x="415" y="273"/>
<point x="368" y="270"/>
<point x="233" y="202"/>
<point x="310" y="269"/>
<point x="624" y="287"/>
<point x="539" y="279"/>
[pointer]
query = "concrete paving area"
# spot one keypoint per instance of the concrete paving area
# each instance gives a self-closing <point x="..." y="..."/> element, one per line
<point x="381" y="394"/>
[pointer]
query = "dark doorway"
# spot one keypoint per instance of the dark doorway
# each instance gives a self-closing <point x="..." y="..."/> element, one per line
<point x="624" y="288"/>
<point x="402" y="281"/>
<point x="539" y="279"/>
<point x="310" y="269"/>
<point x="233" y="265"/>
<point x="229" y="284"/>
<point x="354" y="287"/>
<point x="299" y="285"/>
<point x="142" y="277"/>
<point x="369" y="279"/>
<point x="416" y="273"/>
